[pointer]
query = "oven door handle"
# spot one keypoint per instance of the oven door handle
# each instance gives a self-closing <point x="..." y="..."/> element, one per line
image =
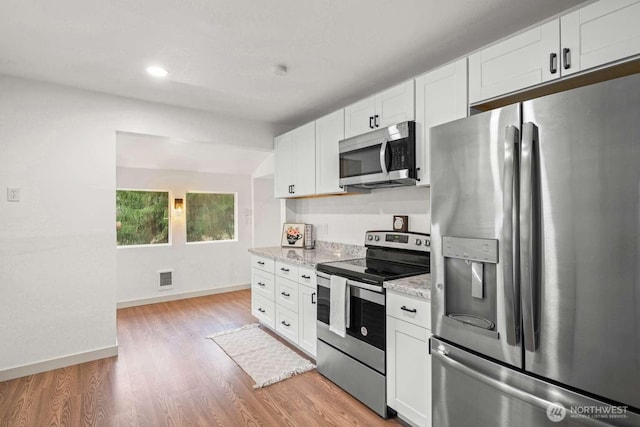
<point x="349" y="283"/>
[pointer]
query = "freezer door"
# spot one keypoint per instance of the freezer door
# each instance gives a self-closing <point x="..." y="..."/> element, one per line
<point x="580" y="235"/>
<point x="475" y="300"/>
<point x="470" y="391"/>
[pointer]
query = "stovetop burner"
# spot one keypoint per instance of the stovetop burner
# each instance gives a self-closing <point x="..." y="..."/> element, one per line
<point x="390" y="256"/>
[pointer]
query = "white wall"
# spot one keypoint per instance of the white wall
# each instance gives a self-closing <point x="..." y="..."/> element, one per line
<point x="57" y="245"/>
<point x="196" y="266"/>
<point x="345" y="219"/>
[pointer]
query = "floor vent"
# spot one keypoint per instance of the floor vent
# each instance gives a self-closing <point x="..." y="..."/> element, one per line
<point x="165" y="280"/>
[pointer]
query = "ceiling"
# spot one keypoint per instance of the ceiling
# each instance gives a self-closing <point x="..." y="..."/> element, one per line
<point x="221" y="54"/>
<point x="155" y="152"/>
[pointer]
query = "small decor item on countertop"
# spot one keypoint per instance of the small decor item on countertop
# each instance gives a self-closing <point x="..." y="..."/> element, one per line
<point x="401" y="223"/>
<point x="293" y="235"/>
<point x="309" y="243"/>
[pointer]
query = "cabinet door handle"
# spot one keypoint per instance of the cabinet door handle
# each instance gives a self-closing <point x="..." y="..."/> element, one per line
<point x="410" y="310"/>
<point x="285" y="323"/>
<point x="261" y="310"/>
<point x="553" y="63"/>
<point x="304" y="276"/>
<point x="285" y="294"/>
<point x="284" y="269"/>
<point x="261" y="284"/>
<point x="375" y="121"/>
<point x="313" y="296"/>
<point x="261" y="262"/>
<point x="566" y="58"/>
<point x="370" y="122"/>
<point x="293" y="189"/>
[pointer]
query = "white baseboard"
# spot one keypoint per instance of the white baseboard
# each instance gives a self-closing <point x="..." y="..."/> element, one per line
<point x="183" y="295"/>
<point x="59" y="362"/>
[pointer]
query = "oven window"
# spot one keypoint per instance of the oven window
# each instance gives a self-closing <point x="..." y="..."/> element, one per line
<point x="364" y="161"/>
<point x="368" y="322"/>
<point x="323" y="304"/>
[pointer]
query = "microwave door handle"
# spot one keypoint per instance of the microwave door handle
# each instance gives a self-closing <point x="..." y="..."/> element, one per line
<point x="383" y="157"/>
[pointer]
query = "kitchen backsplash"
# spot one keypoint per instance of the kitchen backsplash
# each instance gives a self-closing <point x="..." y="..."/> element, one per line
<point x="345" y="219"/>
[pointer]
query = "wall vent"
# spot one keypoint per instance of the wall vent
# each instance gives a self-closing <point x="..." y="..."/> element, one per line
<point x="165" y="280"/>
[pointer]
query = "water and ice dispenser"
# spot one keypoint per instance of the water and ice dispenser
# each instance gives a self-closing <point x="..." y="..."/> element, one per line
<point x="470" y="277"/>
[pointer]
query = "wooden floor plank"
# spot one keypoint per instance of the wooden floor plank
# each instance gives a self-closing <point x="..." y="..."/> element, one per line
<point x="168" y="374"/>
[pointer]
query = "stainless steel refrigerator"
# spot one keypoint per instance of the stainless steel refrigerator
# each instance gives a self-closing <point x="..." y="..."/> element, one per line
<point x="536" y="262"/>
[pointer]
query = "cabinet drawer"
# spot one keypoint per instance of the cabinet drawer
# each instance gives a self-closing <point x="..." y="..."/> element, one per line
<point x="307" y="277"/>
<point x="262" y="283"/>
<point x="287" y="271"/>
<point x="263" y="309"/>
<point x="262" y="263"/>
<point x="287" y="323"/>
<point x="402" y="307"/>
<point x="287" y="294"/>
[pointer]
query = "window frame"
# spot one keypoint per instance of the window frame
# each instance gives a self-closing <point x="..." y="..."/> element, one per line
<point x="235" y="218"/>
<point x="169" y="224"/>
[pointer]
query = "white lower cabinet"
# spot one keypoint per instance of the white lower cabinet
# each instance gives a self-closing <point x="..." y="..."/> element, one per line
<point x="307" y="316"/>
<point x="283" y="297"/>
<point x="408" y="368"/>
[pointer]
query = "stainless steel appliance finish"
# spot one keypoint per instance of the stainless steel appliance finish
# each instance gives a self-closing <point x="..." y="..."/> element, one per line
<point x="357" y="362"/>
<point x="381" y="158"/>
<point x="554" y="181"/>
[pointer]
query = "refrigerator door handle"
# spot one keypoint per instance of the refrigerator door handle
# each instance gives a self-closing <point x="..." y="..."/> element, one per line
<point x="442" y="355"/>
<point x="510" y="233"/>
<point x="528" y="259"/>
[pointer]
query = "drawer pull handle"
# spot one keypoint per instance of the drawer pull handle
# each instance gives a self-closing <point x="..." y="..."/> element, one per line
<point x="285" y="294"/>
<point x="261" y="262"/>
<point x="410" y="310"/>
<point x="285" y="323"/>
<point x="304" y="276"/>
<point x="286" y="270"/>
<point x="261" y="310"/>
<point x="261" y="284"/>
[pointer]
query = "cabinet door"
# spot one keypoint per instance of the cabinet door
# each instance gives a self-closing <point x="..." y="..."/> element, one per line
<point x="599" y="33"/>
<point x="305" y="160"/>
<point x="307" y="319"/>
<point x="283" y="164"/>
<point x="358" y="117"/>
<point x="395" y="105"/>
<point x="441" y="96"/>
<point x="409" y="371"/>
<point x="329" y="130"/>
<point x="516" y="63"/>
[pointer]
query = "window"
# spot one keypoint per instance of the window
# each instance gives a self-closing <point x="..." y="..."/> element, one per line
<point x="142" y="217"/>
<point x="210" y="217"/>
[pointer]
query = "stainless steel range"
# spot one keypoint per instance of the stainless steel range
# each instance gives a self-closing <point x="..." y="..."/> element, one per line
<point x="356" y="362"/>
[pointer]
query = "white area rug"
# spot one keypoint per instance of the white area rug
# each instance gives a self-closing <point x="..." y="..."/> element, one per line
<point x="264" y="358"/>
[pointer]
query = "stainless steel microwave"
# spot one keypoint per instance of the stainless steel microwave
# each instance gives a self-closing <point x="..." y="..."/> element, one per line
<point x="382" y="158"/>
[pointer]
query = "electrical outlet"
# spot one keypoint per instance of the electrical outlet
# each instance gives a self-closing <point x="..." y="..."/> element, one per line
<point x="13" y="194"/>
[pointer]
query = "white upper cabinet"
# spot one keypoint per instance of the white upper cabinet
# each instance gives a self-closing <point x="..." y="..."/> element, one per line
<point x="441" y="96"/>
<point x="524" y="60"/>
<point x="283" y="164"/>
<point x="295" y="165"/>
<point x="329" y="131"/>
<point x="386" y="108"/>
<point x="600" y="33"/>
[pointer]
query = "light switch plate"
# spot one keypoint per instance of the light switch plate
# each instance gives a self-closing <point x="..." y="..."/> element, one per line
<point x="13" y="194"/>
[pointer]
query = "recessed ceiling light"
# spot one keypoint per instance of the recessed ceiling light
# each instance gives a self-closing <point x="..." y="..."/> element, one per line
<point x="280" y="70"/>
<point x="157" y="72"/>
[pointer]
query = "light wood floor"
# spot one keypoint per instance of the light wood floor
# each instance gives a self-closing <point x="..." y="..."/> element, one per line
<point x="168" y="374"/>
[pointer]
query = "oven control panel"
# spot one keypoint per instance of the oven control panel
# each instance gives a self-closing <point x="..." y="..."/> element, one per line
<point x="394" y="239"/>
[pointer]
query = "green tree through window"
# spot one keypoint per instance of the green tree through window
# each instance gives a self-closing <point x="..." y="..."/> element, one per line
<point x="142" y="217"/>
<point x="210" y="217"/>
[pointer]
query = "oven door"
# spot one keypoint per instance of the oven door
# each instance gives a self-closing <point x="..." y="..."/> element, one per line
<point x="366" y="333"/>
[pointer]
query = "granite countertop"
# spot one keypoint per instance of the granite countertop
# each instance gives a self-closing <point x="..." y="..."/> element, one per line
<point x="417" y="286"/>
<point x="324" y="252"/>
